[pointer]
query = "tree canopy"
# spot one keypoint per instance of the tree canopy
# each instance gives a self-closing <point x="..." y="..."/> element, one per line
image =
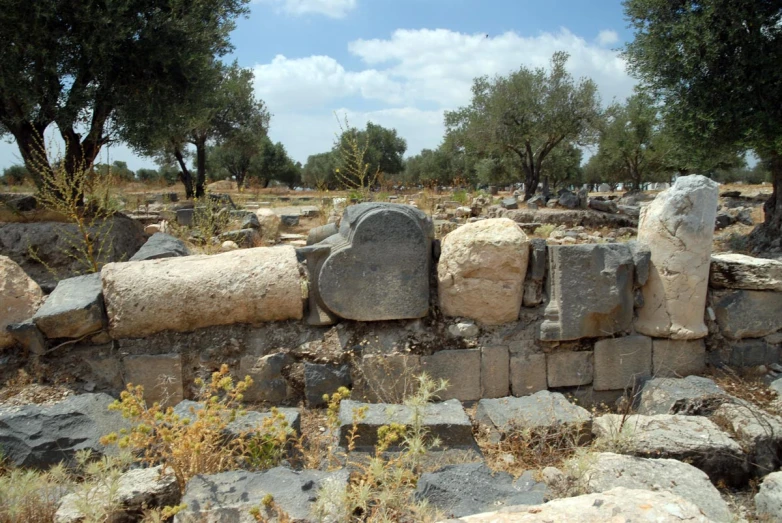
<point x="528" y="113"/>
<point x="715" y="65"/>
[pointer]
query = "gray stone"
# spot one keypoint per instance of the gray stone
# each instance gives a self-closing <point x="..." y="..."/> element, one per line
<point x="768" y="500"/>
<point x="461" y="368"/>
<point x="629" y="210"/>
<point x="569" y="369"/>
<point x="723" y="220"/>
<point x="678" y="358"/>
<point x="161" y="245"/>
<point x="386" y="378"/>
<point x="320" y="380"/>
<point x="247" y="423"/>
<point x="751" y="353"/>
<point x="536" y="201"/>
<point x="605" y="471"/>
<point x="74" y="309"/>
<point x="495" y="372"/>
<point x="137" y="490"/>
<point x="290" y="220"/>
<point x="184" y="217"/>
<point x="28" y="336"/>
<point x="568" y="200"/>
<point x="692" y="439"/>
<point x="318" y="234"/>
<point x="159" y="374"/>
<point x="250" y="221"/>
<point x="390" y="246"/>
<point x="268" y="381"/>
<point x="40" y="436"/>
<point x="536" y="273"/>
<point x="464" y="329"/>
<point x="590" y="290"/>
<point x="738" y="271"/>
<point x="621" y="363"/>
<point x="229" y="496"/>
<point x="543" y="411"/>
<point x="603" y="206"/>
<point x="527" y="373"/>
<point x="642" y="259"/>
<point x="749" y="314"/>
<point x="243" y="237"/>
<point x="509" y="203"/>
<point x="461" y="490"/>
<point x="691" y="395"/>
<point x="758" y="432"/>
<point x="446" y="421"/>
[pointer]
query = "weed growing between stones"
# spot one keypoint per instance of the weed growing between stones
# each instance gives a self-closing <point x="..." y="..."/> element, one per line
<point x="381" y="488"/>
<point x="200" y="443"/>
<point x="31" y="496"/>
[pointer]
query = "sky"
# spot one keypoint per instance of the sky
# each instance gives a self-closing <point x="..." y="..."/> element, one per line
<point x="403" y="63"/>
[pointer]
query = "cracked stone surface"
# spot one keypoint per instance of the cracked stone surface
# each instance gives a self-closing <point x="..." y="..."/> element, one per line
<point x="678" y="227"/>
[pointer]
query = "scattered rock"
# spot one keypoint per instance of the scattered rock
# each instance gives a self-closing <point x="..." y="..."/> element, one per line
<point x="543" y="411"/>
<point x="39" y="437"/>
<point x="228" y="245"/>
<point x="28" y="336"/>
<point x="759" y="433"/>
<point x="692" y="395"/>
<point x="290" y="220"/>
<point x="568" y="200"/>
<point x="749" y="314"/>
<point x="161" y="245"/>
<point x="481" y="271"/>
<point x="244" y="237"/>
<point x="74" y="309"/>
<point x="250" y="221"/>
<point x="320" y="380"/>
<point x="509" y="203"/>
<point x="229" y="496"/>
<point x="270" y="225"/>
<point x="464" y="329"/>
<point x="461" y="490"/>
<point x="603" y="206"/>
<point x="21" y="297"/>
<point x="768" y="500"/>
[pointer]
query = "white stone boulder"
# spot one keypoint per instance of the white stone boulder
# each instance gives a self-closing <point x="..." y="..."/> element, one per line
<point x="616" y="505"/>
<point x="739" y="271"/>
<point x="270" y="225"/>
<point x="20" y="297"/>
<point x="768" y="501"/>
<point x="678" y="227"/>
<point x="481" y="271"/>
<point x="183" y="294"/>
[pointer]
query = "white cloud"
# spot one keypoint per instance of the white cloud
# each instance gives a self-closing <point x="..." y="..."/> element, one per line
<point x="411" y="78"/>
<point x="330" y="8"/>
<point x="607" y="37"/>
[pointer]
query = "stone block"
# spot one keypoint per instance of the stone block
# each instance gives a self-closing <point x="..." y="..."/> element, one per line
<point x="28" y="336"/>
<point x="678" y="227"/>
<point x="462" y="369"/>
<point x="246" y="238"/>
<point x="495" y="372"/>
<point x="738" y="271"/>
<point x="290" y="220"/>
<point x="159" y="374"/>
<point x="751" y="353"/>
<point x="187" y="293"/>
<point x="184" y="217"/>
<point x="536" y="274"/>
<point x="266" y="372"/>
<point x="527" y="374"/>
<point x="386" y="378"/>
<point x="543" y="411"/>
<point x="590" y="290"/>
<point x="21" y="298"/>
<point x="73" y="310"/>
<point x="320" y="380"/>
<point x="377" y="267"/>
<point x="446" y="421"/>
<point x="161" y="245"/>
<point x="678" y="358"/>
<point x="569" y="369"/>
<point x="749" y="314"/>
<point x="481" y="271"/>
<point x="620" y="363"/>
<point x="693" y="395"/>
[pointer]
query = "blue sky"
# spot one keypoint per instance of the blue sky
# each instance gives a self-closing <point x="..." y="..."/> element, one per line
<point x="402" y="63"/>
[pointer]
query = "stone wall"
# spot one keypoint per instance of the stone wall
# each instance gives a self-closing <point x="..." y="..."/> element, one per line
<point x="376" y="301"/>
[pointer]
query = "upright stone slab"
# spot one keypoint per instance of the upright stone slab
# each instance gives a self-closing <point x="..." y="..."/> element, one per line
<point x="377" y="267"/>
<point x="590" y="290"/>
<point x="21" y="297"/>
<point x="481" y="271"/>
<point x="73" y="310"/>
<point x="678" y="227"/>
<point x="161" y="245"/>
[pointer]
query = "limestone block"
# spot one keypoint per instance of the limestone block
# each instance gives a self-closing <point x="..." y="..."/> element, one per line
<point x="495" y="372"/>
<point x="570" y="369"/>
<point x="187" y="293"/>
<point x="749" y="314"/>
<point x="159" y="374"/>
<point x="270" y="225"/>
<point x="540" y="412"/>
<point x="527" y="374"/>
<point x="590" y="290"/>
<point x="738" y="271"/>
<point x="620" y="363"/>
<point x="678" y="227"/>
<point x="462" y="369"/>
<point x="73" y="309"/>
<point x="481" y="271"/>
<point x="20" y="297"/>
<point x="377" y="267"/>
<point x="682" y="358"/>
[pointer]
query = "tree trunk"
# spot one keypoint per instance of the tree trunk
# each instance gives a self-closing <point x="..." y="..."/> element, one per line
<point x="768" y="235"/>
<point x="184" y="173"/>
<point x="29" y="139"/>
<point x="200" y="145"/>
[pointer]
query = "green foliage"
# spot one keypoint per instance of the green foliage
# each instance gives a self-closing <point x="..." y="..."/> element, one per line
<point x="563" y="166"/>
<point x="383" y="148"/>
<point x="527" y="113"/>
<point x="15" y="175"/>
<point x="320" y="171"/>
<point x="117" y="170"/>
<point x="85" y="64"/>
<point x="31" y="496"/>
